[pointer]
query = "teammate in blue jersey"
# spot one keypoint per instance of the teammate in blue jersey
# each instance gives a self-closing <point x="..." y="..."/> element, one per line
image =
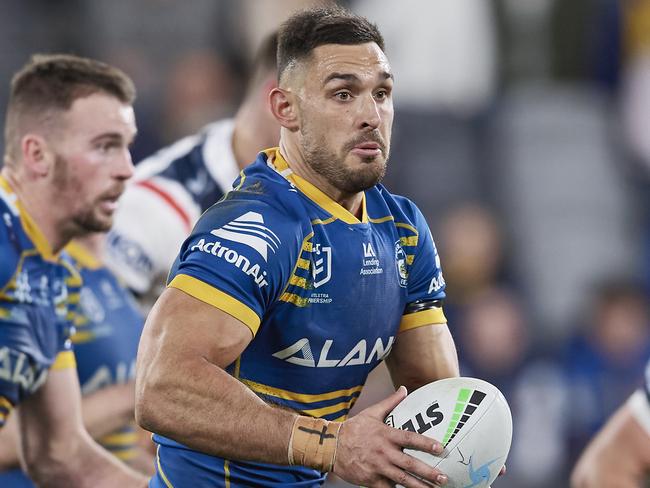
<point x="68" y="126"/>
<point x="108" y="324"/>
<point x="293" y="287"/>
<point x="619" y="455"/>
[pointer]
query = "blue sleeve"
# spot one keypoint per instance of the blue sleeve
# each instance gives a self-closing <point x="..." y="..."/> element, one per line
<point x="239" y="258"/>
<point x="425" y="276"/>
<point x="425" y="280"/>
<point x="23" y="362"/>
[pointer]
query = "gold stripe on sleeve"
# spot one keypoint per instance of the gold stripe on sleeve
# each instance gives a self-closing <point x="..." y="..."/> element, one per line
<point x="64" y="360"/>
<point x="4" y="403"/>
<point x="433" y="316"/>
<point x="215" y="297"/>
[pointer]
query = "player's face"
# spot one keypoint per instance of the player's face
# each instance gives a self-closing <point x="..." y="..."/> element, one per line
<point x="92" y="160"/>
<point x="346" y="114"/>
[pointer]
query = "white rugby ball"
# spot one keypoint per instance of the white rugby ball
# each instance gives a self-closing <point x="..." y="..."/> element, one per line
<point x="472" y="420"/>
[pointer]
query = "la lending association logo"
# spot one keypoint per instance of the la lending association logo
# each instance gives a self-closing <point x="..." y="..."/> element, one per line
<point x="371" y="265"/>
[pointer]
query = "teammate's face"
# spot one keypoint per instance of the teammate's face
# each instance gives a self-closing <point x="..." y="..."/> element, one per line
<point x="92" y="160"/>
<point x="346" y="114"/>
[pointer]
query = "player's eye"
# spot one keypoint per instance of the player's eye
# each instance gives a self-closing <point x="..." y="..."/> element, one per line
<point x="381" y="95"/>
<point x="107" y="146"/>
<point x="343" y="96"/>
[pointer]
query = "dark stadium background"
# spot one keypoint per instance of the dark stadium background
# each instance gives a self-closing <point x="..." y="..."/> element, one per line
<point x="520" y="131"/>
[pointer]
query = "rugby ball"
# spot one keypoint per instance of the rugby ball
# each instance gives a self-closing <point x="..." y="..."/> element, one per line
<point x="472" y="420"/>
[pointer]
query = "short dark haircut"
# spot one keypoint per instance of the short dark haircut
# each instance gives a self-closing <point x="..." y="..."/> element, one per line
<point x="306" y="30"/>
<point x="52" y="82"/>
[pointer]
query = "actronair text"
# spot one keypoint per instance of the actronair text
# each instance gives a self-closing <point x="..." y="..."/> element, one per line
<point x="232" y="257"/>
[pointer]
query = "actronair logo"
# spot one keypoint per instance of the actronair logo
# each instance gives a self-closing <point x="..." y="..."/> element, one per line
<point x="232" y="257"/>
<point x="249" y="230"/>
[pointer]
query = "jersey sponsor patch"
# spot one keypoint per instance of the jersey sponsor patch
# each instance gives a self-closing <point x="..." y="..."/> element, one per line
<point x="231" y="256"/>
<point x="250" y="231"/>
<point x="16" y="367"/>
<point x="438" y="281"/>
<point x="300" y="353"/>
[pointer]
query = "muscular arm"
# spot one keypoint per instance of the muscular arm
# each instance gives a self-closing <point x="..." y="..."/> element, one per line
<point x="108" y="409"/>
<point x="56" y="449"/>
<point x="423" y="355"/>
<point x="103" y="412"/>
<point x="183" y="392"/>
<point x="618" y="456"/>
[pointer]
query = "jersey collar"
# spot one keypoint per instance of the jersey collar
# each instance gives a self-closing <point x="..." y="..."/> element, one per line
<point x="312" y="192"/>
<point x="29" y="226"/>
<point x="83" y="257"/>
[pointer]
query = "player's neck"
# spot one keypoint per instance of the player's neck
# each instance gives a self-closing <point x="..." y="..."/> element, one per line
<point x="294" y="157"/>
<point x="254" y="131"/>
<point x="93" y="243"/>
<point x="243" y="145"/>
<point x="41" y="206"/>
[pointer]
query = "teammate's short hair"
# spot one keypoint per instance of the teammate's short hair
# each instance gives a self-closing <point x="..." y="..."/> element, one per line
<point x="264" y="61"/>
<point x="308" y="29"/>
<point x="52" y="82"/>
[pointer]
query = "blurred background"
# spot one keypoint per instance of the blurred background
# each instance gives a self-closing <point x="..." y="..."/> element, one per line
<point x="521" y="131"/>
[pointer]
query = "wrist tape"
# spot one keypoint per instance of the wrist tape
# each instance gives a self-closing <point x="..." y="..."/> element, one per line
<point x="313" y="443"/>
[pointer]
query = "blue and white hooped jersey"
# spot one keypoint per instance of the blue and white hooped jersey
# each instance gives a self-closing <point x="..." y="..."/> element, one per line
<point x="323" y="293"/>
<point x="39" y="292"/>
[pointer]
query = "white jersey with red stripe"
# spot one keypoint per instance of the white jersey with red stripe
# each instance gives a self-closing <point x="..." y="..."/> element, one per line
<point x="167" y="195"/>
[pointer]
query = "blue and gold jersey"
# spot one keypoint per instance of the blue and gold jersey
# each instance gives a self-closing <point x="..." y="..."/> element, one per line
<point x="323" y="293"/>
<point x="108" y="329"/>
<point x="39" y="292"/>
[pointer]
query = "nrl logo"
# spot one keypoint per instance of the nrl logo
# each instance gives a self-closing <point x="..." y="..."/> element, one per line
<point x="321" y="270"/>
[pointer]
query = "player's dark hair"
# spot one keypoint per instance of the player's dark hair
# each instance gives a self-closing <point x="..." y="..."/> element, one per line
<point x="51" y="82"/>
<point x="306" y="30"/>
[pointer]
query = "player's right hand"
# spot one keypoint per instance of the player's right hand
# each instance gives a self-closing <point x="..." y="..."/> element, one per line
<point x="370" y="453"/>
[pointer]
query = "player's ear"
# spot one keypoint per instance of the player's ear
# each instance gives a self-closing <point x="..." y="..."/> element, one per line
<point x="283" y="107"/>
<point x="37" y="156"/>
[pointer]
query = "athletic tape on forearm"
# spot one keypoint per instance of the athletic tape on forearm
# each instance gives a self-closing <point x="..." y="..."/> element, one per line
<point x="313" y="443"/>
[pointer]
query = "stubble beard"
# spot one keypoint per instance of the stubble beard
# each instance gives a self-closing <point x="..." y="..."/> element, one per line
<point x="332" y="166"/>
<point x="84" y="221"/>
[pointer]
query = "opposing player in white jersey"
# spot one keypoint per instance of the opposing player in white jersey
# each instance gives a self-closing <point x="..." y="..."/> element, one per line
<point x="619" y="455"/>
<point x="174" y="186"/>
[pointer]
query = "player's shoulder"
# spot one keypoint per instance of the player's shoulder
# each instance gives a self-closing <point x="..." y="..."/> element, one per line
<point x="239" y="212"/>
<point x="162" y="159"/>
<point x="262" y="197"/>
<point x="402" y="209"/>
<point x="188" y="176"/>
<point x="13" y="240"/>
<point x="205" y="154"/>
